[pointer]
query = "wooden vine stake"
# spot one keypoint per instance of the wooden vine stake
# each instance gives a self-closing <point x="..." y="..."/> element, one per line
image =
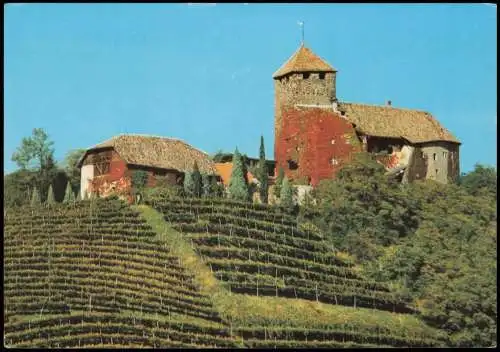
<point x="276" y="281"/>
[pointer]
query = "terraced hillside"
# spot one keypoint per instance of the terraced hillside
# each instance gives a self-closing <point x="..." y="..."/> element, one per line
<point x="216" y="274"/>
<point x="92" y="274"/>
<point x="254" y="250"/>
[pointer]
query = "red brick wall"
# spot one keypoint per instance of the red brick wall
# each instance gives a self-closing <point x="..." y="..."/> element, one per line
<point x="312" y="131"/>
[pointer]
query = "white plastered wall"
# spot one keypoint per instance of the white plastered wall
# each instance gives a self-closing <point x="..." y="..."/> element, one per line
<point x="87" y="173"/>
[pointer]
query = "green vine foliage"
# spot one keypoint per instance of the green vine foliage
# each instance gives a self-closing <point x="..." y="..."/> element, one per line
<point x="139" y="180"/>
<point x="433" y="242"/>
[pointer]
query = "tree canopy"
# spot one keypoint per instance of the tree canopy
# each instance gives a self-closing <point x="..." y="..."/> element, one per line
<point x="435" y="243"/>
<point x="71" y="168"/>
<point x="482" y="180"/>
<point x="35" y="151"/>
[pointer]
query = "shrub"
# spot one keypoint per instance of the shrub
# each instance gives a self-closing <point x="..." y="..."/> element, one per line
<point x="159" y="193"/>
<point x="279" y="181"/>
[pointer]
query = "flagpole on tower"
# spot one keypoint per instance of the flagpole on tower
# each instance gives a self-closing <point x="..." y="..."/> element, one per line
<point x="301" y="24"/>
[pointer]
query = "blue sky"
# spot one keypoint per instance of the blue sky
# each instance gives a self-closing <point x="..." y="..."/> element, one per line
<point x="202" y="73"/>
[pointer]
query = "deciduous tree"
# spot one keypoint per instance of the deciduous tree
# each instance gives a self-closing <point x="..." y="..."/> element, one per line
<point x="35" y="151"/>
<point x="71" y="168"/>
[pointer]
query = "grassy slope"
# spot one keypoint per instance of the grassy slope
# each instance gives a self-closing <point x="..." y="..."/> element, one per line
<point x="273" y="312"/>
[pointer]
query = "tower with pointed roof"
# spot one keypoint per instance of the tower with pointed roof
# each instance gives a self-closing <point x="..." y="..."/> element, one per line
<point x="304" y="79"/>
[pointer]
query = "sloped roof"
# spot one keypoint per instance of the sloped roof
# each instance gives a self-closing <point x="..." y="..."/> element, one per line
<point x="159" y="152"/>
<point x="387" y="121"/>
<point x="224" y="170"/>
<point x="304" y="60"/>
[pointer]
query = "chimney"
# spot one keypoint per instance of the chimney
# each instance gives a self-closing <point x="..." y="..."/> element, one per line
<point x="389" y="103"/>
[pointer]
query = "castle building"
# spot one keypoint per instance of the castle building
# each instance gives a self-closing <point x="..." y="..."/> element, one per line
<point x="315" y="133"/>
<point x="108" y="167"/>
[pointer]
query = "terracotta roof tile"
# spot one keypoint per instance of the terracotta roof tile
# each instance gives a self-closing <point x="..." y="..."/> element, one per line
<point x="304" y="60"/>
<point x="160" y="152"/>
<point x="224" y="170"/>
<point x="387" y="121"/>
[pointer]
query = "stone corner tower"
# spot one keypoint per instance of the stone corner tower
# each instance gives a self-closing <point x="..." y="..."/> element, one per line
<point x="305" y="79"/>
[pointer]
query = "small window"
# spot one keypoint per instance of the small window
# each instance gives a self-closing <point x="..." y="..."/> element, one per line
<point x="292" y="165"/>
<point x="334" y="161"/>
<point x="423" y="155"/>
<point x="333" y="141"/>
<point x="437" y="171"/>
<point x="445" y="155"/>
<point x="321" y="75"/>
<point x="297" y="148"/>
<point x="434" y="156"/>
<point x="305" y="75"/>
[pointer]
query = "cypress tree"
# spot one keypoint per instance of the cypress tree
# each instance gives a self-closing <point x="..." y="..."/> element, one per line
<point x="279" y="181"/>
<point x="207" y="189"/>
<point x="35" y="197"/>
<point x="50" y="196"/>
<point x="286" y="196"/>
<point x="263" y="172"/>
<point x="197" y="181"/>
<point x="188" y="184"/>
<point x="69" y="196"/>
<point x="238" y="188"/>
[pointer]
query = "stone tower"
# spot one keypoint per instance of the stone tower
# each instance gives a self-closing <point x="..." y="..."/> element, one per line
<point x="304" y="80"/>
